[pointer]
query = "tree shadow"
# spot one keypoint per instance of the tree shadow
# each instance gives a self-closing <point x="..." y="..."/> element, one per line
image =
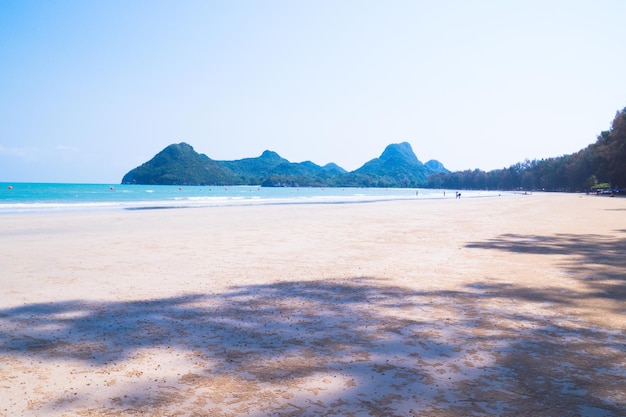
<point x="334" y="347"/>
<point x="598" y="260"/>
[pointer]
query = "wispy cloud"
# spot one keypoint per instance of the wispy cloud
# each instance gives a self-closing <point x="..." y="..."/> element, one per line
<point x="31" y="153"/>
<point x="26" y="152"/>
<point x="65" y="148"/>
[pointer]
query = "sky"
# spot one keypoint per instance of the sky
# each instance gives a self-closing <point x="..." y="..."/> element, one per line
<point x="91" y="89"/>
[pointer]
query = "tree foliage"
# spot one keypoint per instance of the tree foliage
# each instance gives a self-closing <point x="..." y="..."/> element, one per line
<point x="601" y="162"/>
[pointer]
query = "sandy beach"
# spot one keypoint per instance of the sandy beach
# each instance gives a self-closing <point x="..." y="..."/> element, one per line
<point x="512" y="305"/>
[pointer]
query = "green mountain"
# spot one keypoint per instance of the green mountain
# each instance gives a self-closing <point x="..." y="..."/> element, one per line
<point x="181" y="164"/>
<point x="436" y="167"/>
<point x="396" y="167"/>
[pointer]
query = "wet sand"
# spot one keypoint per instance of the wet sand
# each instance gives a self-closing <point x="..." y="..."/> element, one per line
<point x="510" y="305"/>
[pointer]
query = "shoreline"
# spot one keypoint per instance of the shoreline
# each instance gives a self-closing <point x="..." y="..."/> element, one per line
<point x="441" y="307"/>
<point x="93" y="197"/>
<point x="45" y="198"/>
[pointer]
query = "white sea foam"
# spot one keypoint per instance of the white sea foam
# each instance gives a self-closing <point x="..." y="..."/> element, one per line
<point x="27" y="198"/>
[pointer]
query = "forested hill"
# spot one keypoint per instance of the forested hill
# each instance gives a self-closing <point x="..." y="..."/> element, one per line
<point x="180" y="164"/>
<point x="601" y="165"/>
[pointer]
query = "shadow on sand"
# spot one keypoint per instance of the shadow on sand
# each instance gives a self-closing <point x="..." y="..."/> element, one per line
<point x="352" y="346"/>
<point x="599" y="260"/>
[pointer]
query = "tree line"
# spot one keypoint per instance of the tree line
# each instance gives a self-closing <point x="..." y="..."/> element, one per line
<point x="599" y="165"/>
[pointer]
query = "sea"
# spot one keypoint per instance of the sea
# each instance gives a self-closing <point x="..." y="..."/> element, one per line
<point x="59" y="197"/>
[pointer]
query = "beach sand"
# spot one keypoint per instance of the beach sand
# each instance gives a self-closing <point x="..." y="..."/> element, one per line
<point x="511" y="305"/>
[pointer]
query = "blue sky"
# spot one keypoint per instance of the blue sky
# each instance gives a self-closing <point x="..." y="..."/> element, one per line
<point x="91" y="89"/>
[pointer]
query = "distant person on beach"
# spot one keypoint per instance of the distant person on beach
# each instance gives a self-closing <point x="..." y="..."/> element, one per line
<point x="458" y="194"/>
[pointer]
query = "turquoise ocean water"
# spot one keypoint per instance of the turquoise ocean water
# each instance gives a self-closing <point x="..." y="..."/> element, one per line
<point x="50" y="197"/>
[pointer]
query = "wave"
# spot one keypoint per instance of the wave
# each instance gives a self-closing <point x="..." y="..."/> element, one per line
<point x="202" y="197"/>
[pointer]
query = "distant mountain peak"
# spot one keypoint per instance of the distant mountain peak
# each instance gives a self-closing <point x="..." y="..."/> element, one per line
<point x="270" y="155"/>
<point x="180" y="164"/>
<point x="402" y="150"/>
<point x="334" y="167"/>
<point x="184" y="146"/>
<point x="436" y="166"/>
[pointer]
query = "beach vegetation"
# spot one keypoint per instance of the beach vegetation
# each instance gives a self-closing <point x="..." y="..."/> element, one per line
<point x="602" y="186"/>
<point x="600" y="165"/>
